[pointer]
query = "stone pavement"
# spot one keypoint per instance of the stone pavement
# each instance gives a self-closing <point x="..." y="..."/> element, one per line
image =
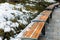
<point x="53" y="28"/>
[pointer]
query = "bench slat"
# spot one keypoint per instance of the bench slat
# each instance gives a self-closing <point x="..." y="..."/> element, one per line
<point x="29" y="32"/>
<point x="38" y="30"/>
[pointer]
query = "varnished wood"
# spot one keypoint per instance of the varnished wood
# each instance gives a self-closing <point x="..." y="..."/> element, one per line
<point x="35" y="30"/>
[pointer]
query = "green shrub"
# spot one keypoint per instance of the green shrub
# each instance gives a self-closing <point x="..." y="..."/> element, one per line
<point x="1" y="32"/>
<point x="2" y="1"/>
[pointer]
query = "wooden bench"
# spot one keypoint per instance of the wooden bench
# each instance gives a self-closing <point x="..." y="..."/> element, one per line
<point x="35" y="30"/>
<point x="51" y="7"/>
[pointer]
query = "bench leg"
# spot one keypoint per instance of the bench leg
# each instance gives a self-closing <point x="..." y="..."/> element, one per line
<point x="56" y="5"/>
<point x="51" y="15"/>
<point x="43" y="31"/>
<point x="48" y="20"/>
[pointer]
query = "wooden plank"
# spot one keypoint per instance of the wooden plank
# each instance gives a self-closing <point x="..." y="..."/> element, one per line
<point x="46" y="12"/>
<point x="29" y="32"/>
<point x="51" y="7"/>
<point x="34" y="32"/>
<point x="38" y="30"/>
<point x="45" y="15"/>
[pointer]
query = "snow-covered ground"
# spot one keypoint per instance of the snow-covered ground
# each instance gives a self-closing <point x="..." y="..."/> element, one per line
<point x="49" y="0"/>
<point x="11" y="17"/>
<point x="44" y="0"/>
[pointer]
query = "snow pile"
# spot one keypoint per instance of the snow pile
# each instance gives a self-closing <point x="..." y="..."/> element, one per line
<point x="6" y="6"/>
<point x="7" y="14"/>
<point x="11" y="17"/>
<point x="49" y="0"/>
<point x="0" y="38"/>
<point x="30" y="4"/>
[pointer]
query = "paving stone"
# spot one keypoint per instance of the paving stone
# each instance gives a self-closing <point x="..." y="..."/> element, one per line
<point x="53" y="28"/>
